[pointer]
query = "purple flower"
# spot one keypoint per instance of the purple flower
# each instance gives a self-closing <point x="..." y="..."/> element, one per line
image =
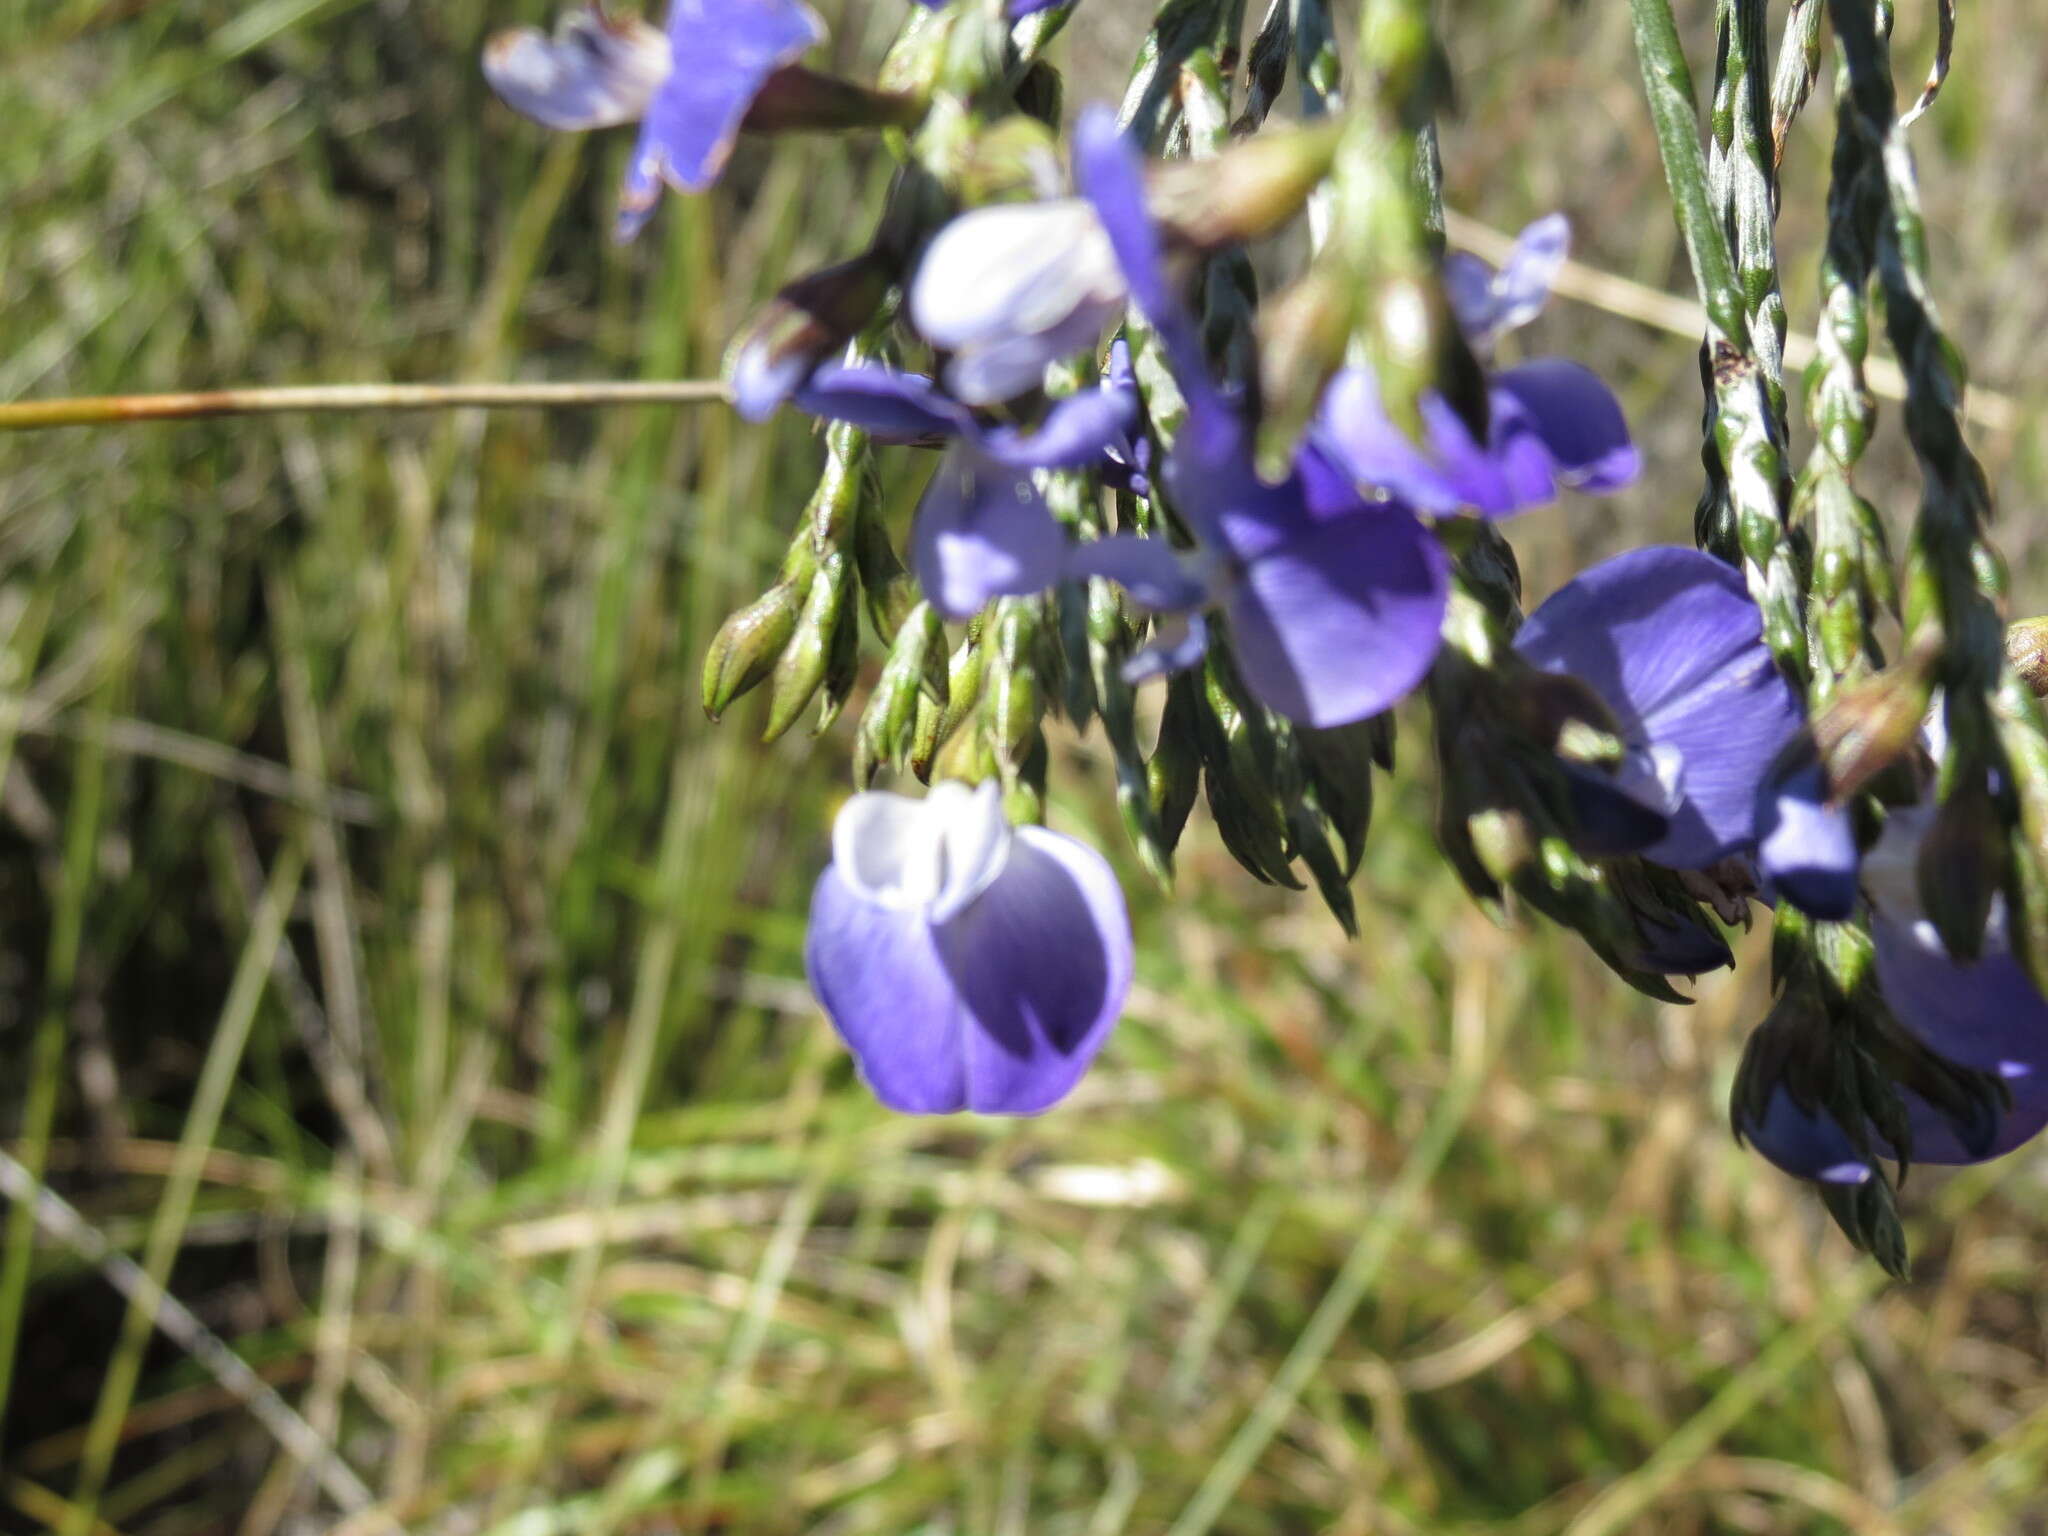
<point x="1670" y="641"/>
<point x="966" y="964"/>
<point x="1985" y="1015"/>
<point x="982" y="530"/>
<point x="691" y="90"/>
<point x="1011" y="289"/>
<point x="1806" y="844"/>
<point x="1551" y="423"/>
<point x="1335" y="603"/>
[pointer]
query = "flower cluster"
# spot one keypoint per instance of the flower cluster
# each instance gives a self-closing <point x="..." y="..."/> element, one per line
<point x="1279" y="527"/>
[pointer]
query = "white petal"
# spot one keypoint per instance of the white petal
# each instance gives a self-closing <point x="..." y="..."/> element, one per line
<point x="1013" y="269"/>
<point x="595" y="72"/>
<point x="933" y="855"/>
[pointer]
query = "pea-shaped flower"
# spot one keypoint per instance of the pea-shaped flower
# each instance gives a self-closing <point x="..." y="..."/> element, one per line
<point x="1010" y="289"/>
<point x="966" y="964"/>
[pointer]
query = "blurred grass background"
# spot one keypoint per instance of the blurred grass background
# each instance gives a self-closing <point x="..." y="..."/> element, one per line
<point x="394" y="961"/>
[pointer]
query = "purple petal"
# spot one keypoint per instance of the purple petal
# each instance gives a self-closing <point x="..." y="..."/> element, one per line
<point x="1042" y="963"/>
<point x="896" y="407"/>
<point x="878" y="972"/>
<point x="1937" y="1139"/>
<point x="594" y="72"/>
<point x="722" y="52"/>
<point x="1179" y="640"/>
<point x="1672" y="643"/>
<point x="1806" y="1143"/>
<point x="1111" y="174"/>
<point x="1578" y="420"/>
<point x="763" y="378"/>
<point x="1075" y="433"/>
<point x="1679" y="949"/>
<point x="1343" y="620"/>
<point x="1988" y="1015"/>
<point x="982" y="531"/>
<point x="1806" y="848"/>
<point x="1610" y="820"/>
<point x="1454" y="473"/>
<point x="1489" y="303"/>
<point x="1159" y="576"/>
<point x="1550" y="422"/>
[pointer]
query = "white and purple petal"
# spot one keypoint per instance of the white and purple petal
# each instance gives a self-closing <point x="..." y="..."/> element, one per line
<point x="722" y="52"/>
<point x="1042" y="961"/>
<point x="995" y="995"/>
<point x="595" y="71"/>
<point x="1012" y="288"/>
<point x="1671" y="642"/>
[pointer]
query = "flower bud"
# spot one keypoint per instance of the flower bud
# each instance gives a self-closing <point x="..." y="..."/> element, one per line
<point x="1503" y="842"/>
<point x="795" y="98"/>
<point x="1871" y="725"/>
<point x="809" y="656"/>
<point x="1246" y="192"/>
<point x="749" y="644"/>
<point x="2026" y="647"/>
<point x="887" y="724"/>
<point x="1303" y="332"/>
<point x="1961" y="867"/>
<point x="807" y="322"/>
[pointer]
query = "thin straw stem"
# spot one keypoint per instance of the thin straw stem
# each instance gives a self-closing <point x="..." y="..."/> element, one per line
<point x="99" y="410"/>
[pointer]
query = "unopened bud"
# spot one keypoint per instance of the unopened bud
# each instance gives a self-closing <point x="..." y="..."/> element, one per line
<point x="1243" y="194"/>
<point x="1961" y="867"/>
<point x="1041" y="94"/>
<point x="796" y="98"/>
<point x="750" y="643"/>
<point x="1503" y="842"/>
<point x="1016" y="158"/>
<point x="807" y="322"/>
<point x="1303" y="331"/>
<point x="810" y="652"/>
<point x="887" y="724"/>
<point x="2026" y="647"/>
<point x="1871" y="725"/>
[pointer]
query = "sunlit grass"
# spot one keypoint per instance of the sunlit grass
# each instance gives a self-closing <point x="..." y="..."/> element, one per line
<point x="397" y="960"/>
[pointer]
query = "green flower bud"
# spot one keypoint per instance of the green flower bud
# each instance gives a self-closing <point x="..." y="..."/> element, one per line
<point x="750" y="643"/>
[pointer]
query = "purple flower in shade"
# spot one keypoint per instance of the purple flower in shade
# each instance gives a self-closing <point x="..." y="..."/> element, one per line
<point x="1012" y="288"/>
<point x="691" y="90"/>
<point x="1806" y="844"/>
<point x="1551" y="423"/>
<point x="1670" y="641"/>
<point x="966" y="964"/>
<point x="1985" y="1015"/>
<point x="982" y="529"/>
<point x="1335" y="603"/>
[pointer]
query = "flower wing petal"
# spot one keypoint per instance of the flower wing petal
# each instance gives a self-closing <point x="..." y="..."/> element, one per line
<point x="1669" y="638"/>
<point x="983" y="531"/>
<point x="879" y="975"/>
<point x="1577" y="419"/>
<point x="1042" y="962"/>
<point x="592" y="73"/>
<point x="723" y="50"/>
<point x="1342" y="620"/>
